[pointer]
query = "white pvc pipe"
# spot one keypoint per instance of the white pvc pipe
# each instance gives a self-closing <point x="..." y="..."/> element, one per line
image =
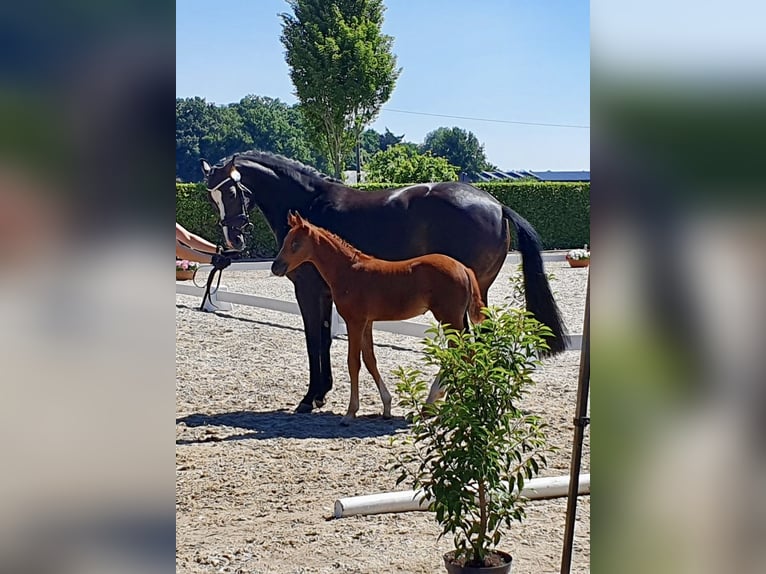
<point x="410" y="500"/>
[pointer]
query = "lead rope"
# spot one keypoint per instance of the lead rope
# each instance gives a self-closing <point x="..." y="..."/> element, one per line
<point x="211" y="277"/>
<point x="206" y="296"/>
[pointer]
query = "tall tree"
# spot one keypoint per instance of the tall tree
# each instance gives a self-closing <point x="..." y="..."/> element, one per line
<point x="459" y="147"/>
<point x="342" y="68"/>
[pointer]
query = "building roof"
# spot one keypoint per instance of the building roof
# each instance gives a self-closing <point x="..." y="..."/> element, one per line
<point x="498" y="175"/>
<point x="562" y="175"/>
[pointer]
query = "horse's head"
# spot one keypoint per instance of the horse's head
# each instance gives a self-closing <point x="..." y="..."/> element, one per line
<point x="231" y="199"/>
<point x="296" y="248"/>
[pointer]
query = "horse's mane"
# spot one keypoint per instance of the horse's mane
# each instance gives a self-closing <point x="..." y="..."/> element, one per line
<point x="343" y="243"/>
<point x="281" y="164"/>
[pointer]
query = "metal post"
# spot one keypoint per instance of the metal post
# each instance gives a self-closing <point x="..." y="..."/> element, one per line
<point x="581" y="421"/>
<point x="358" y="160"/>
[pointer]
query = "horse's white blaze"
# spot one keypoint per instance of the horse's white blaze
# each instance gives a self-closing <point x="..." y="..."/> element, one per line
<point x="226" y="236"/>
<point x="218" y="200"/>
<point x="217" y="196"/>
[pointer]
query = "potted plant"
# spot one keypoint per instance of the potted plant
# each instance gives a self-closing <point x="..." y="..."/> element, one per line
<point x="185" y="269"/>
<point x="579" y="257"/>
<point x="471" y="452"/>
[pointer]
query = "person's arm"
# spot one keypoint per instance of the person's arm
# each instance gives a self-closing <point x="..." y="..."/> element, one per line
<point x="183" y="252"/>
<point x="194" y="241"/>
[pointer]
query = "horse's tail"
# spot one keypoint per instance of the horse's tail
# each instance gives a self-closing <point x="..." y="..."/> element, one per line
<point x="475" y="304"/>
<point x="537" y="291"/>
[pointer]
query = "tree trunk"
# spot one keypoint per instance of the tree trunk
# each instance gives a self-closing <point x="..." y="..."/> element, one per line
<point x="478" y="556"/>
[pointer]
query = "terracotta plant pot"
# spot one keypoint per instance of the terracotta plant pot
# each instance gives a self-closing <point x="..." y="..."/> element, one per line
<point x="184" y="275"/>
<point x="503" y="568"/>
<point x="578" y="262"/>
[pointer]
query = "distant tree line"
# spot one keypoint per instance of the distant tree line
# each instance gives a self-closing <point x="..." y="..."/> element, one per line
<point x="210" y="131"/>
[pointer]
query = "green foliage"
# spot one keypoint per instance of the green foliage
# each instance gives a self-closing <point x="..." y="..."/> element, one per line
<point x="342" y="68"/>
<point x="461" y="148"/>
<point x="369" y="144"/>
<point x="472" y="452"/>
<point x="204" y="130"/>
<point x="271" y="125"/>
<point x="403" y="164"/>
<point x="213" y="132"/>
<point x="560" y="212"/>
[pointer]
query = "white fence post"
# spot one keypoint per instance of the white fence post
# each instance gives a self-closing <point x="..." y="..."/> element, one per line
<point x="214" y="303"/>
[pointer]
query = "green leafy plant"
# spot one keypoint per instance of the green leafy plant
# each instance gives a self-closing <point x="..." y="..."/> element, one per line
<point x="403" y="164"/>
<point x="471" y="452"/>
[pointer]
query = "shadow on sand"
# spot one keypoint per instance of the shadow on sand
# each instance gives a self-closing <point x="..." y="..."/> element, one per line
<point x="285" y="424"/>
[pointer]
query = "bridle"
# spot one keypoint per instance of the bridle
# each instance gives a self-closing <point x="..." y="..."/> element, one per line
<point x="239" y="221"/>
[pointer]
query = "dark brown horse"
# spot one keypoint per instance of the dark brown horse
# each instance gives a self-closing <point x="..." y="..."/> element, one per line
<point x="452" y="218"/>
<point x="366" y="289"/>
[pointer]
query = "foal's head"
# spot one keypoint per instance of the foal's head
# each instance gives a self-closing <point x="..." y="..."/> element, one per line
<point x="297" y="246"/>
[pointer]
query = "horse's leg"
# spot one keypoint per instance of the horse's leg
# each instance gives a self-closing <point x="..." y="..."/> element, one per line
<point x="355" y="332"/>
<point x="308" y="284"/>
<point x="368" y="354"/>
<point x="325" y="340"/>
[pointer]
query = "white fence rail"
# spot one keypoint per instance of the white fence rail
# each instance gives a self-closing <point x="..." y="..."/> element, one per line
<point x="408" y="328"/>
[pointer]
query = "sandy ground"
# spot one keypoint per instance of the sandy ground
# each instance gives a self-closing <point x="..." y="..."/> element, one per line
<point x="256" y="484"/>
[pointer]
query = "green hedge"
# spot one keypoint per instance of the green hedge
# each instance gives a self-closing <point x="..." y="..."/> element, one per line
<point x="560" y="212"/>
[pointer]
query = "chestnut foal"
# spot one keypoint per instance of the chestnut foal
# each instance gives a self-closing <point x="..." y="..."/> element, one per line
<point x="366" y="289"/>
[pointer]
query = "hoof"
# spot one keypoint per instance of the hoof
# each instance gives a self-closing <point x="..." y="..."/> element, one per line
<point x="386" y="416"/>
<point x="303" y="408"/>
<point x="318" y="403"/>
<point x="345" y="421"/>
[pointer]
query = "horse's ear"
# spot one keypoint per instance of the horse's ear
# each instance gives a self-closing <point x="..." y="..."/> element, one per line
<point x="292" y="220"/>
<point x="205" y="167"/>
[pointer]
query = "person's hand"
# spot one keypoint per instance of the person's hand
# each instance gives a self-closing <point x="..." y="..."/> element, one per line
<point x="231" y="253"/>
<point x="220" y="261"/>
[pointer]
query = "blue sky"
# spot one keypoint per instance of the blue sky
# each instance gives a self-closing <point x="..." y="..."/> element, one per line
<point x="510" y="60"/>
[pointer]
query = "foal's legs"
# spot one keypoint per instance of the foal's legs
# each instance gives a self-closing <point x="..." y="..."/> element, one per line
<point x="355" y="333"/>
<point x="368" y="354"/>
